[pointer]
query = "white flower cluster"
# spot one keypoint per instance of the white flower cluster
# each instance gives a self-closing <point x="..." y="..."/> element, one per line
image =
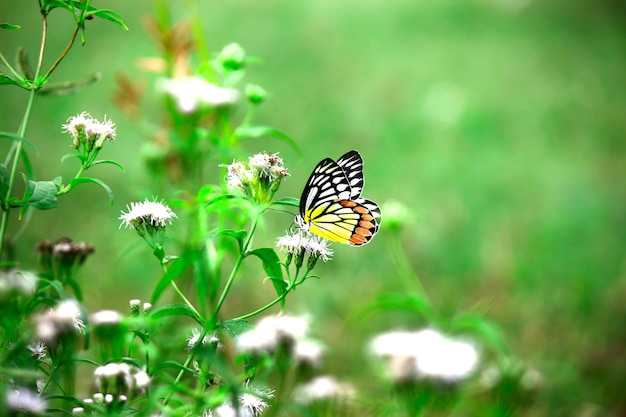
<point x="23" y="401"/>
<point x="155" y="214"/>
<point x="120" y="378"/>
<point x="192" y="92"/>
<point x="85" y="129"/>
<point x="259" y="178"/>
<point x="300" y="242"/>
<point x="425" y="354"/>
<point x="208" y="340"/>
<point x="250" y="405"/>
<point x="290" y="332"/>
<point x="322" y="388"/>
<point x="63" y="319"/>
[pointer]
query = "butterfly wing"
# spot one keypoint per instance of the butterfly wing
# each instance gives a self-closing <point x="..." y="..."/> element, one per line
<point x="352" y="165"/>
<point x="327" y="183"/>
<point x="354" y="222"/>
<point x="331" y="205"/>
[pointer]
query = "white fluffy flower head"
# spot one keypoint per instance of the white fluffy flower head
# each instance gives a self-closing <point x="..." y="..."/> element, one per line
<point x="425" y="354"/>
<point x="190" y="93"/>
<point x="155" y="214"/>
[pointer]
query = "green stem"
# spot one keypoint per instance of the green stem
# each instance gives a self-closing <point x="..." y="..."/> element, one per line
<point x="81" y="18"/>
<point x="22" y="132"/>
<point x="404" y="268"/>
<point x="210" y="324"/>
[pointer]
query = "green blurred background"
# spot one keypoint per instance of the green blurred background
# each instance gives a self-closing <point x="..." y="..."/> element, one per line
<point x="500" y="124"/>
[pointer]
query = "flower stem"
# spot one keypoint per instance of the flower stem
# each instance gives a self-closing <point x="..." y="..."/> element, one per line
<point x="210" y="324"/>
<point x="22" y="132"/>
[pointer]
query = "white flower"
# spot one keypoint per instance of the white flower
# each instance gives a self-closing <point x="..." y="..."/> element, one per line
<point x="250" y="405"/>
<point x="194" y="338"/>
<point x="64" y="318"/>
<point x="76" y="124"/>
<point x="425" y="354"/>
<point x="84" y="127"/>
<point x="191" y="92"/>
<point x="295" y="242"/>
<point x="17" y="281"/>
<point x="147" y="213"/>
<point x="105" y="317"/>
<point x="142" y="380"/>
<point x="21" y="400"/>
<point x="308" y="352"/>
<point x="38" y="350"/>
<point x="272" y="331"/>
<point x="320" y="388"/>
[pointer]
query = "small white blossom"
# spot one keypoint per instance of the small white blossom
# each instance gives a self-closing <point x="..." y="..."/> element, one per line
<point x="190" y="93"/>
<point x="250" y="405"/>
<point x="76" y="124"/>
<point x="22" y="400"/>
<point x="106" y="317"/>
<point x="151" y="213"/>
<point x="272" y="331"/>
<point x="294" y="242"/>
<point x="322" y="388"/>
<point x="84" y="127"/>
<point x="142" y="380"/>
<point x="425" y="354"/>
<point x="194" y="338"/>
<point x="64" y="318"/>
<point x="38" y="349"/>
<point x="308" y="352"/>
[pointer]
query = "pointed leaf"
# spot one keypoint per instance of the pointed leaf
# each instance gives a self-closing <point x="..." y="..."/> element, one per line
<point x="5" y="177"/>
<point x="9" y="26"/>
<point x="23" y="64"/>
<point x="254" y="132"/>
<point x="81" y="180"/>
<point x="13" y="136"/>
<point x="109" y="162"/>
<point x="111" y="16"/>
<point x="235" y="327"/>
<point x="272" y="267"/>
<point x="175" y="270"/>
<point x="5" y="79"/>
<point x="176" y="310"/>
<point x="69" y="87"/>
<point x="287" y="201"/>
<point x="238" y="235"/>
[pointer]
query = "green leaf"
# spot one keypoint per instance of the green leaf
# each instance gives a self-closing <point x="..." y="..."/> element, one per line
<point x="40" y="194"/>
<point x="23" y="64"/>
<point x="13" y="136"/>
<point x="5" y="178"/>
<point x="109" y="15"/>
<point x="9" y="26"/>
<point x="272" y="267"/>
<point x="176" y="310"/>
<point x="287" y="201"/>
<point x="174" y="365"/>
<point x="235" y="327"/>
<point x="81" y="180"/>
<point x="175" y="270"/>
<point x="254" y="132"/>
<point x="5" y="79"/>
<point x="239" y="235"/>
<point x="56" y="285"/>
<point x="58" y="181"/>
<point x="109" y="162"/>
<point x="28" y="167"/>
<point x="69" y="87"/>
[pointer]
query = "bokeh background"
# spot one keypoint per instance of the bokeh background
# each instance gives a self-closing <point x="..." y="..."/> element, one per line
<point x="500" y="124"/>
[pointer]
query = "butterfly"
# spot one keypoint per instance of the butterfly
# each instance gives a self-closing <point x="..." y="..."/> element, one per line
<point x="331" y="205"/>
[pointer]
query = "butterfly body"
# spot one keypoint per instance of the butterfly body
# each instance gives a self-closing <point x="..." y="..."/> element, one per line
<point x="331" y="205"/>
